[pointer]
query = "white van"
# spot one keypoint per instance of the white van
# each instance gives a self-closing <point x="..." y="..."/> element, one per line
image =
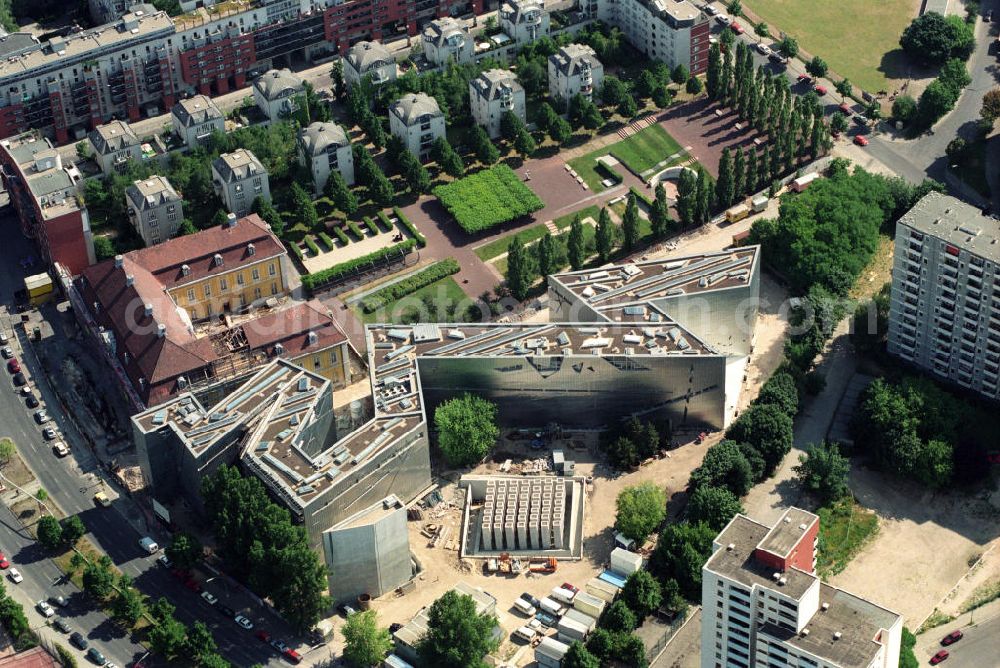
<point x="562" y="595"/>
<point x="551" y="607"/>
<point x="524" y="607"/>
<point x="525" y="633"/>
<point x="149" y="545"/>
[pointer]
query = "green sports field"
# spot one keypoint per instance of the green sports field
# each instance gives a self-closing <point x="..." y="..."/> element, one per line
<point x="859" y="39"/>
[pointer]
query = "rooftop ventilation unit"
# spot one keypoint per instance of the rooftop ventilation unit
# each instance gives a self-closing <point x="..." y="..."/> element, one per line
<point x="161" y="331"/>
<point x="119" y="261"/>
<point x="230" y="220"/>
<point x="837" y="635"/>
<point x="805" y="632"/>
<point x="185" y="270"/>
<point x="825" y="606"/>
<point x="129" y="280"/>
<point x="730" y="547"/>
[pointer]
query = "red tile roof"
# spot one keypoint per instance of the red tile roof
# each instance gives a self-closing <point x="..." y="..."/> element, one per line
<point x="164" y="261"/>
<point x="291" y="326"/>
<point x="32" y="658"/>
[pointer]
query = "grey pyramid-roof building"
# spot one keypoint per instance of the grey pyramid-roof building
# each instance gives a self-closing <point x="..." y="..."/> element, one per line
<point x="317" y="137"/>
<point x="364" y="55"/>
<point x="413" y="106"/>
<point x="276" y="84"/>
<point x="238" y="165"/>
<point x="196" y="110"/>
<point x="151" y="193"/>
<point x="113" y="136"/>
<point x="491" y="83"/>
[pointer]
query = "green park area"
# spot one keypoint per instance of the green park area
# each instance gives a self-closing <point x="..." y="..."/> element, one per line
<point x="488" y="198"/>
<point x="639" y="153"/>
<point x="844" y="528"/>
<point x="859" y="39"/>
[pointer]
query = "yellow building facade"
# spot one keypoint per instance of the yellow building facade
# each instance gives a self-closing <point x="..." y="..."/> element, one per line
<point x="230" y="291"/>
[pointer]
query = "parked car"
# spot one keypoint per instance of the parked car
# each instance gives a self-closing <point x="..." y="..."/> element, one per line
<point x="262" y="635"/>
<point x="62" y="625"/>
<point x="61" y="601"/>
<point x="860" y="140"/>
<point x="19" y="379"/>
<point x="13" y="365"/>
<point x="41" y="417"/>
<point x="31" y="401"/>
<point x="347" y="610"/>
<point x="572" y="588"/>
<point x="777" y="57"/>
<point x="820" y="90"/>
<point x="96" y="657"/>
<point x="736" y="28"/>
<point x="531" y="599"/>
<point x="763" y="49"/>
<point x="49" y="434"/>
<point x="209" y="598"/>
<point x="102" y="500"/>
<point x="244" y="622"/>
<point x="45" y="609"/>
<point x="291" y="655"/>
<point x="278" y="645"/>
<point x="78" y="640"/>
<point x="225" y="610"/>
<point x="952" y="637"/>
<point x="15" y="576"/>
<point x="60" y="449"/>
<point x="939" y="657"/>
<point x="6" y="352"/>
<point x="845" y="108"/>
<point x="711" y="10"/>
<point x="804" y="78"/>
<point x="4" y="564"/>
<point x="164" y="561"/>
<point x="860" y="120"/>
<point x="723" y="19"/>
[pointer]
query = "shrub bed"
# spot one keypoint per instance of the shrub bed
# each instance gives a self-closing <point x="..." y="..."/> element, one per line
<point x="405" y="222"/>
<point x="421" y="279"/>
<point x="327" y="241"/>
<point x="311" y="245"/>
<point x="310" y="281"/>
<point x="340" y="235"/>
<point x="384" y="222"/>
<point x="370" y="224"/>
<point x="355" y="230"/>
<point x="488" y="198"/>
<point x="294" y="247"/>
<point x="640" y="196"/>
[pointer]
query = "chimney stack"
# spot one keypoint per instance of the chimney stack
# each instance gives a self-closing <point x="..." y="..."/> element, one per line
<point x="119" y="261"/>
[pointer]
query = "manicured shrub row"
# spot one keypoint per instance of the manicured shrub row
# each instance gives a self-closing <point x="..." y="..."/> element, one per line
<point x="488" y="198"/>
<point x="327" y="241"/>
<point x="370" y="224"/>
<point x="312" y="245"/>
<point x="310" y="281"/>
<point x="296" y="251"/>
<point x="384" y="222"/>
<point x="639" y="195"/>
<point x="355" y="230"/>
<point x="405" y="222"/>
<point x="340" y="235"/>
<point x="421" y="279"/>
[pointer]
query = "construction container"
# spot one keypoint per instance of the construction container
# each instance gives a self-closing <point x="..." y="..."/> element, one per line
<point x="602" y="590"/>
<point x="562" y="595"/>
<point x="550" y="652"/>
<point x="589" y="604"/>
<point x="569" y="630"/>
<point x="39" y="288"/>
<point x="759" y="203"/>
<point x="625" y="562"/>
<point x="582" y="618"/>
<point x="551" y="607"/>
<point x="737" y="213"/>
<point x="801" y="183"/>
<point x="393" y="661"/>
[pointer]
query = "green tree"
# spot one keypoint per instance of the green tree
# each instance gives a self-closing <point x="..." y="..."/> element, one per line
<point x="302" y="204"/>
<point x="162" y="609"/>
<point x="485" y="150"/>
<point x="337" y="78"/>
<point x="630" y="224"/>
<point x="457" y="637"/>
<point x="632" y="651"/>
<point x="739" y="177"/>
<point x="198" y="641"/>
<point x="679" y="74"/>
<point x="618" y="617"/>
<point x="103" y="248"/>
<point x="662" y="97"/>
<point x="762" y="30"/>
<point x="575" y="244"/>
<point x="524" y="143"/>
<point x="127" y="607"/>
<point x="659" y="214"/>
<point x="446" y="157"/>
<point x="49" y="532"/>
<point x="991" y="106"/>
<point x="955" y="75"/>
<point x="416" y="175"/>
<point x="560" y="131"/>
<point x="904" y="108"/>
<point x="768" y="429"/>
<point x="907" y="659"/>
<point x="221" y="217"/>
<point x="213" y="660"/>
<point x="845" y="88"/>
<point x="645" y="84"/>
<point x="823" y="471"/>
<point x="605" y="235"/>
<point x="98" y="578"/>
<point x="546" y="252"/>
<point x="714" y="506"/>
<point x="780" y="390"/>
<point x="263" y="208"/>
<point x="300" y="582"/>
<point x="788" y="47"/>
<point x="577" y="656"/>
<point x="693" y="86"/>
<point x="520" y="274"/>
<point x="680" y="552"/>
<point x="613" y="91"/>
<point x="7" y="451"/>
<point x="532" y="75"/>
<point x="932" y="38"/>
<point x="725" y="465"/>
<point x="547" y="116"/>
<point x="706" y="197"/>
<point x="936" y="100"/>
<point x="642" y="593"/>
<point x="628" y="108"/>
<point x="365" y="643"/>
<point x="623" y="453"/>
<point x="467" y="429"/>
<point x="687" y="196"/>
<point x="838" y="123"/>
<point x="725" y="185"/>
<point x="817" y="67"/>
<point x="640" y="509"/>
<point x="338" y="192"/>
<point x="73" y="529"/>
<point x="735" y="8"/>
<point x="714" y="71"/>
<point x="185" y="551"/>
<point x="167" y="637"/>
<point x="381" y="191"/>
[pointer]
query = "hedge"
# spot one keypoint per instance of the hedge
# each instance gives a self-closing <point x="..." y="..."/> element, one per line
<point x="488" y="198"/>
<point x="340" y="235"/>
<point x="355" y="230"/>
<point x="296" y="251"/>
<point x="327" y="241"/>
<point x="370" y="224"/>
<point x="640" y="196"/>
<point x="384" y="222"/>
<point x="311" y="245"/>
<point x="310" y="281"/>
<point x="405" y="222"/>
<point x="408" y="286"/>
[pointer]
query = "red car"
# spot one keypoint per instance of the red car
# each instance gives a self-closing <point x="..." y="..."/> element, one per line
<point x="820" y="90"/>
<point x="805" y="78"/>
<point x="860" y="140"/>
<point x="736" y="28"/>
<point x="263" y="636"/>
<point x="949" y="639"/>
<point x="292" y="656"/>
<point x="4" y="564"/>
<point x="939" y="657"/>
<point x="13" y="366"/>
<point x="566" y="585"/>
<point x="846" y="108"/>
<point x="193" y="585"/>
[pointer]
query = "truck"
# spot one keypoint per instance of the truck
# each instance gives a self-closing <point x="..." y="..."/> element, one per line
<point x="149" y="545"/>
<point x="759" y="203"/>
<point x="547" y="565"/>
<point x="801" y="183"/>
<point x="737" y="213"/>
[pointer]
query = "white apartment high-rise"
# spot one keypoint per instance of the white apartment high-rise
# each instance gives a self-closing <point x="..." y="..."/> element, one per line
<point x="944" y="313"/>
<point x="763" y="605"/>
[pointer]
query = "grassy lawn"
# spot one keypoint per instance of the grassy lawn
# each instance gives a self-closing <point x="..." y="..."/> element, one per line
<point x="858" y="38"/>
<point x="645" y="149"/>
<point x="592" y="211"/>
<point x="586" y="167"/>
<point x="445" y="293"/>
<point x="499" y="246"/>
<point x="877" y="273"/>
<point x="844" y="528"/>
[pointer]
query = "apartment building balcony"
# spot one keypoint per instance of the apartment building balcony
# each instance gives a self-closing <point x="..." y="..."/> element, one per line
<point x="916" y="246"/>
<point x="532" y="18"/>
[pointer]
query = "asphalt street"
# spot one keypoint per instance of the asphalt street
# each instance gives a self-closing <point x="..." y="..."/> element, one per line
<point x="978" y="648"/>
<point x="72" y="482"/>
